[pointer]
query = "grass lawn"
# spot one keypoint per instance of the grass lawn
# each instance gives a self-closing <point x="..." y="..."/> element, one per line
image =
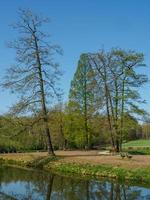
<point x="137" y="143"/>
<point x="138" y="147"/>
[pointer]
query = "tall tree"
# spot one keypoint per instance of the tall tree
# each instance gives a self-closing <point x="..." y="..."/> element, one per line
<point x="119" y="79"/>
<point x="35" y="74"/>
<point x="83" y="95"/>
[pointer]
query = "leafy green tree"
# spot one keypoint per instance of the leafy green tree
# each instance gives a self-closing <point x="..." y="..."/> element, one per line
<point x="83" y="101"/>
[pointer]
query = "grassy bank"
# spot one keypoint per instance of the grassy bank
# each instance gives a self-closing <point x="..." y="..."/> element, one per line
<point x="58" y="164"/>
<point x="106" y="171"/>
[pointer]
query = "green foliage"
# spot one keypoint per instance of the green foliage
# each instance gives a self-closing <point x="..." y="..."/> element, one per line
<point x="131" y="127"/>
<point x="17" y="134"/>
<point x="9" y="146"/>
<point x="83" y="102"/>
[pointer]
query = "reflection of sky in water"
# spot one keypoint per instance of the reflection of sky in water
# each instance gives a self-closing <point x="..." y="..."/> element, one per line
<point x="26" y="185"/>
<point x="21" y="189"/>
<point x="144" y="191"/>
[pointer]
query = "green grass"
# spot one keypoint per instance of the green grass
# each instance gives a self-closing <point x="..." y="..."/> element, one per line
<point x="105" y="171"/>
<point x="137" y="147"/>
<point x="142" y="151"/>
<point x="137" y="143"/>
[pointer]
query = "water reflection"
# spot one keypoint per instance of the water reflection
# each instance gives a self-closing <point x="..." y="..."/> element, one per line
<point x="19" y="184"/>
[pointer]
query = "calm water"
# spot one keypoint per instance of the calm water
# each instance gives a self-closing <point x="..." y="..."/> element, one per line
<point x="20" y="184"/>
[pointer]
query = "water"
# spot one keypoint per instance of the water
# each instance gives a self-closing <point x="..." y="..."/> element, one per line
<point x="20" y="184"/>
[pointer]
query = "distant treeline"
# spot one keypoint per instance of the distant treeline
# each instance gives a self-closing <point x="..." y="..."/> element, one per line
<point x="20" y="134"/>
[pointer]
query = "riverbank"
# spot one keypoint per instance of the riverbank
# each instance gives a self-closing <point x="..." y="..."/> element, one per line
<point x="85" y="163"/>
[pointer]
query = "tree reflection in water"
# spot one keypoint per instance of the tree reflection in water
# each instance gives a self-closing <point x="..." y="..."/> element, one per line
<point x="19" y="184"/>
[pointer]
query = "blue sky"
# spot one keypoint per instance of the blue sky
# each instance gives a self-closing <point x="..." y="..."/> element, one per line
<point x="81" y="26"/>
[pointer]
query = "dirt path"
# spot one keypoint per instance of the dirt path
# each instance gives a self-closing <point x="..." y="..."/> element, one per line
<point x="87" y="157"/>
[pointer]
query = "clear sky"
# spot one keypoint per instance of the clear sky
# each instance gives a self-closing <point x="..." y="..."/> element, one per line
<point x="81" y="26"/>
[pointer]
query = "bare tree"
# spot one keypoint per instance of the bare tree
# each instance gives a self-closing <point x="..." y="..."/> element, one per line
<point x="35" y="74"/>
<point x="119" y="81"/>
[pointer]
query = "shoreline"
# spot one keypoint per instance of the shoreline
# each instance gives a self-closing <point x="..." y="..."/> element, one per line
<point x="58" y="165"/>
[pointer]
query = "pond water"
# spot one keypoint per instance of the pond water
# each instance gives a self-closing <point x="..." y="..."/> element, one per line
<point x="20" y="184"/>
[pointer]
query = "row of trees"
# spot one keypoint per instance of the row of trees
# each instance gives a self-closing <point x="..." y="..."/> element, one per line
<point x="67" y="131"/>
<point x="107" y="83"/>
<point x="103" y="98"/>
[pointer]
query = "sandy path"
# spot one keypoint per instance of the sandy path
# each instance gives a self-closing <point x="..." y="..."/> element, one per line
<point x="87" y="157"/>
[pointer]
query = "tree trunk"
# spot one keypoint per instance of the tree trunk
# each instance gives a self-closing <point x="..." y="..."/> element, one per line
<point x="117" y="145"/>
<point x="49" y="187"/>
<point x="86" y="132"/>
<point x="122" y="113"/>
<point x="116" y="118"/>
<point x="43" y="100"/>
<point x="108" y="98"/>
<point x="85" y="113"/>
